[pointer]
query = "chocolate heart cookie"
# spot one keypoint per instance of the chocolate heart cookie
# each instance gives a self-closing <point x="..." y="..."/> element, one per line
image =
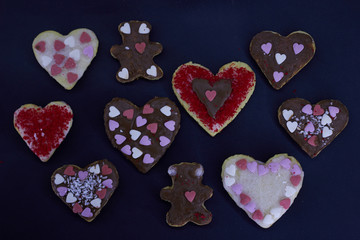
<point x="85" y="190"/>
<point x="313" y="126"/>
<point x="280" y="58"/>
<point x="142" y="134"/>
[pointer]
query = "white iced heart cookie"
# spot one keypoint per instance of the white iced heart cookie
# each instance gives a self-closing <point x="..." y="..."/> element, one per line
<point x="66" y="58"/>
<point x="264" y="191"/>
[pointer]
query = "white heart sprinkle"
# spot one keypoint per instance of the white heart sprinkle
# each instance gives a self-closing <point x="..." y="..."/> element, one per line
<point x="70" y="41"/>
<point x="280" y="58"/>
<point x="75" y="54"/>
<point x="291" y="126"/>
<point x="126" y="28"/>
<point x="135" y="134"/>
<point x="96" y="202"/>
<point x="127" y="48"/>
<point x="166" y="110"/>
<point x="95" y="169"/>
<point x="231" y="170"/>
<point x="151" y="71"/>
<point x="45" y="60"/>
<point x="58" y="179"/>
<point x="287" y="114"/>
<point x="229" y="181"/>
<point x="136" y="152"/>
<point x="326" y="132"/>
<point x="289" y="191"/>
<point x="70" y="198"/>
<point x="268" y="219"/>
<point x="124" y="73"/>
<point x="326" y="120"/>
<point x="114" y="112"/>
<point x="276" y="212"/>
<point x="143" y="29"/>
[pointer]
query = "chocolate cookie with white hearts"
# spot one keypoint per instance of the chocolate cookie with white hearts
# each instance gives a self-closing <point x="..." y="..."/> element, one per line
<point x="142" y="134"/>
<point x="86" y="190"/>
<point x="313" y="126"/>
<point x="279" y="57"/>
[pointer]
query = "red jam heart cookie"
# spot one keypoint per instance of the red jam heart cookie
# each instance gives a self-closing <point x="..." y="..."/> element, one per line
<point x="264" y="191"/>
<point x="313" y="126"/>
<point x="213" y="100"/>
<point x="187" y="195"/>
<point x="85" y="190"/>
<point x="43" y="129"/>
<point x="280" y="58"/>
<point x="66" y="58"/>
<point x="142" y="134"/>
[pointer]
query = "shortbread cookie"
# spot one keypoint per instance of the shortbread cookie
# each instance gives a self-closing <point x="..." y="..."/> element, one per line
<point x="280" y="58"/>
<point x="136" y="53"/>
<point x="187" y="195"/>
<point x="142" y="134"/>
<point x="264" y="191"/>
<point x="85" y="190"/>
<point x="313" y="126"/>
<point x="43" y="129"/>
<point x="66" y="58"/>
<point x="213" y="100"/>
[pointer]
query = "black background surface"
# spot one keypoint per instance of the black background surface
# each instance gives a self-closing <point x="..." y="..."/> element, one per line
<point x="211" y="33"/>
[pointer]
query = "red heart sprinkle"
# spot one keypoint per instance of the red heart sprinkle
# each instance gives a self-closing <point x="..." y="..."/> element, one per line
<point x="105" y="170"/>
<point x="85" y="37"/>
<point x="318" y="110"/>
<point x="129" y="113"/>
<point x="58" y="45"/>
<point x="295" y="180"/>
<point x="70" y="63"/>
<point x="55" y="70"/>
<point x="40" y="46"/>
<point x="101" y="194"/>
<point x="190" y="195"/>
<point x="258" y="215"/>
<point x="140" y="47"/>
<point x="242" y="163"/>
<point x="311" y="141"/>
<point x="77" y="208"/>
<point x="152" y="127"/>
<point x="71" y="77"/>
<point x="244" y="199"/>
<point x="59" y="58"/>
<point x="147" y="109"/>
<point x="69" y="171"/>
<point x="285" y="203"/>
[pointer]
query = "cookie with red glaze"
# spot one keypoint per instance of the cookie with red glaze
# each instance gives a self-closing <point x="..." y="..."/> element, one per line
<point x="43" y="129"/>
<point x="213" y="100"/>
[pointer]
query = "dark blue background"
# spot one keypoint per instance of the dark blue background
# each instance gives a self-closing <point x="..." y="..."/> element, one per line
<point x="211" y="33"/>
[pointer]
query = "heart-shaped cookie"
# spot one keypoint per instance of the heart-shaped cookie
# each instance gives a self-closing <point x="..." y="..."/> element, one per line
<point x="66" y="58"/>
<point x="313" y="126"/>
<point x="142" y="134"/>
<point x="85" y="190"/>
<point x="43" y="129"/>
<point x="264" y="191"/>
<point x="279" y="57"/>
<point x="213" y="100"/>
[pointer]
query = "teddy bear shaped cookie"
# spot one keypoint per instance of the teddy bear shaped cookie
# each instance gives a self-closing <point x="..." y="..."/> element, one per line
<point x="136" y="53"/>
<point x="187" y="195"/>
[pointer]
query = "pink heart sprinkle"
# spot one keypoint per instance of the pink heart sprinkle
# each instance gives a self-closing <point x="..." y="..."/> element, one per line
<point x="210" y="95"/>
<point x="148" y="159"/>
<point x="285" y="163"/>
<point x="87" y="213"/>
<point x="71" y="77"/>
<point x="140" y="47"/>
<point x="140" y="121"/>
<point x="251" y="166"/>
<point x="145" y="141"/>
<point x="312" y="140"/>
<point x="108" y="183"/>
<point x="295" y="180"/>
<point x="307" y="109"/>
<point x="152" y="127"/>
<point x="251" y="207"/>
<point x="62" y="191"/>
<point x="170" y="125"/>
<point x="262" y="170"/>
<point x="309" y="127"/>
<point x="285" y="203"/>
<point x="119" y="139"/>
<point x="295" y="170"/>
<point x="126" y="150"/>
<point x="298" y="48"/>
<point x="266" y="47"/>
<point x="164" y="141"/>
<point x="318" y="110"/>
<point x="147" y="109"/>
<point x="237" y="188"/>
<point x="190" y="195"/>
<point x="88" y="51"/>
<point x="333" y="111"/>
<point x="129" y="113"/>
<point x="82" y="174"/>
<point x="113" y="125"/>
<point x="278" y="76"/>
<point x="274" y="167"/>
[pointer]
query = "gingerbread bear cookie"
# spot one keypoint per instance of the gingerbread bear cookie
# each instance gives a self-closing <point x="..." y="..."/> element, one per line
<point x="187" y="195"/>
<point x="136" y="53"/>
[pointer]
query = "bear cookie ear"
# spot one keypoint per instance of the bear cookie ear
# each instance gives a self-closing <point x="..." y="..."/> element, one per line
<point x="172" y="171"/>
<point x="199" y="171"/>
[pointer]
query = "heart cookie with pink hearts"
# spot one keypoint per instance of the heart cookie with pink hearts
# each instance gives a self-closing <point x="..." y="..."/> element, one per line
<point x="66" y="58"/>
<point x="43" y="129"/>
<point x="279" y="57"/>
<point x="264" y="191"/>
<point x="142" y="134"/>
<point x="213" y="100"/>
<point x="313" y="126"/>
<point x="85" y="190"/>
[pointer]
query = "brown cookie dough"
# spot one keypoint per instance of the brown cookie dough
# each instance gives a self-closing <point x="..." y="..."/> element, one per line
<point x="187" y="195"/>
<point x="136" y="53"/>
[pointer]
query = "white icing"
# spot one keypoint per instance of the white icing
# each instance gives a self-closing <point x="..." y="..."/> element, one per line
<point x="199" y="171"/>
<point x="172" y="171"/>
<point x="229" y="181"/>
<point x="95" y="169"/>
<point x="152" y="71"/>
<point x="124" y="73"/>
<point x="58" y="179"/>
<point x="136" y="152"/>
<point x="268" y="219"/>
<point x="126" y="28"/>
<point x="291" y="126"/>
<point x="326" y="120"/>
<point x="75" y="54"/>
<point x="289" y="191"/>
<point x="326" y="132"/>
<point x="287" y="114"/>
<point x="280" y="58"/>
<point x="70" y="198"/>
<point x="96" y="202"/>
<point x="45" y="61"/>
<point x="70" y="41"/>
<point x="231" y="170"/>
<point x="143" y="29"/>
<point x="114" y="112"/>
<point x="134" y="134"/>
<point x="276" y="212"/>
<point x="166" y="110"/>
